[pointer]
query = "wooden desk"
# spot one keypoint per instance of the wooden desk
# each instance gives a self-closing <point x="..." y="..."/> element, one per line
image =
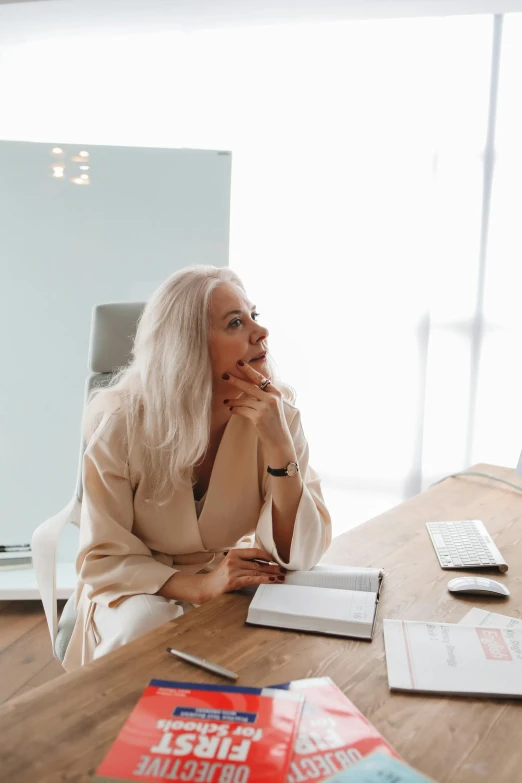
<point x="62" y="730"/>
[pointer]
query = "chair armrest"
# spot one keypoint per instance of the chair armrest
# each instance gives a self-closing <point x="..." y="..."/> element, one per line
<point x="44" y="543"/>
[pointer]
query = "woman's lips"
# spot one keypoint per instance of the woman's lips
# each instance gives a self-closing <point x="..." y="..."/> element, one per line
<point x="258" y="358"/>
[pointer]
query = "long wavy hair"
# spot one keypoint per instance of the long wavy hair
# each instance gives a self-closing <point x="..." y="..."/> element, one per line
<point x="166" y="390"/>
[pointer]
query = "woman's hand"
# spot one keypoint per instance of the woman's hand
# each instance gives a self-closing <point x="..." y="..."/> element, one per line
<point x="238" y="570"/>
<point x="264" y="408"/>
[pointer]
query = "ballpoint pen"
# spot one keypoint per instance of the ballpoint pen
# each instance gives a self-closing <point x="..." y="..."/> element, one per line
<point x="201" y="662"/>
<point x="255" y="559"/>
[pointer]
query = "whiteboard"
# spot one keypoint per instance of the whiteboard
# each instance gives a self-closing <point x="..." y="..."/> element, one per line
<point x="137" y="215"/>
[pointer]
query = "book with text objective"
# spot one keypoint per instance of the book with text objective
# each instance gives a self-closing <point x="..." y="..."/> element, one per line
<point x="181" y="731"/>
<point x="338" y="600"/>
<point x="453" y="658"/>
<point x="333" y="734"/>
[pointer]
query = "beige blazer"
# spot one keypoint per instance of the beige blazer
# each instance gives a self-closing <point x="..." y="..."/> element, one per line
<point x="128" y="546"/>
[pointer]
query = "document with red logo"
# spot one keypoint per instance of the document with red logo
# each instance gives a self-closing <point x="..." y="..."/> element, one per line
<point x="478" y="616"/>
<point x="209" y="733"/>
<point x="446" y="658"/>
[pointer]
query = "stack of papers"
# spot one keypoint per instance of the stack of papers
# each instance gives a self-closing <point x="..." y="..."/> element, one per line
<point x="483" y="658"/>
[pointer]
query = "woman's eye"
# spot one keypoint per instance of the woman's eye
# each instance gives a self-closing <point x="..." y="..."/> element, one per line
<point x="237" y="321"/>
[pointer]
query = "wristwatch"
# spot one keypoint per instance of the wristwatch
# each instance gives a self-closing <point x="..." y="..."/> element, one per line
<point x="291" y="469"/>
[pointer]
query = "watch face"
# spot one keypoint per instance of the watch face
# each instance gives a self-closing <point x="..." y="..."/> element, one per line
<point x="292" y="468"/>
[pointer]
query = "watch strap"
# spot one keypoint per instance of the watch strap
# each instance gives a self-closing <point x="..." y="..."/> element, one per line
<point x="291" y="469"/>
<point x="277" y="471"/>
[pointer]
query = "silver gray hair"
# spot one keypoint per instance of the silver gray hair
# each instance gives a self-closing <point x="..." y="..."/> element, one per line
<point x="166" y="390"/>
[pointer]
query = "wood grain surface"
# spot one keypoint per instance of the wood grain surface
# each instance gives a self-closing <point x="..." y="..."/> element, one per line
<point x="61" y="730"/>
<point x="26" y="657"/>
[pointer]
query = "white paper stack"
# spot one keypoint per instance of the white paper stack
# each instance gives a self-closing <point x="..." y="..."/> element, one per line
<point x="469" y="660"/>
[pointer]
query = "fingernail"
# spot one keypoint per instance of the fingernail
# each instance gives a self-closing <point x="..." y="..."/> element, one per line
<point x="281" y="578"/>
<point x="225" y="401"/>
<point x="230" y="409"/>
<point x="272" y="578"/>
<point x="241" y="363"/>
<point x="225" y="376"/>
<point x="283" y="570"/>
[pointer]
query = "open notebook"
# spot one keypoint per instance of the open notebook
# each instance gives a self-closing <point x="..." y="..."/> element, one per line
<point x="336" y="600"/>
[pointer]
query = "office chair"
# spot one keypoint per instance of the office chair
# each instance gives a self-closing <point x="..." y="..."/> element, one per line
<point x="113" y="329"/>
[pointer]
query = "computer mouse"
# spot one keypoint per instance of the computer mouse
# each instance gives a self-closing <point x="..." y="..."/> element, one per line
<point x="478" y="584"/>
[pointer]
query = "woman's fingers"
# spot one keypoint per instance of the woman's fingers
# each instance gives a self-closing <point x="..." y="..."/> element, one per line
<point x="251" y="553"/>
<point x="249" y="566"/>
<point x="249" y="388"/>
<point x="246" y="580"/>
<point x="255" y="567"/>
<point x="256" y="377"/>
<point x="243" y="402"/>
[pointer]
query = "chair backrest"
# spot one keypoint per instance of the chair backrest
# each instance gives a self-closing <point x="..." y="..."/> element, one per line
<point x="113" y="328"/>
<point x="112" y="335"/>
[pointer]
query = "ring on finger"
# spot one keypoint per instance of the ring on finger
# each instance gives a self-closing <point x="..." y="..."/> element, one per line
<point x="265" y="383"/>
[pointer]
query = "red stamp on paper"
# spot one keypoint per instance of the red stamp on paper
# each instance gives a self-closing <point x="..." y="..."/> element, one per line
<point x="493" y="644"/>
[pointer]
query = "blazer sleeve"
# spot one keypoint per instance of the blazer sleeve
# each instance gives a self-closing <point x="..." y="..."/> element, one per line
<point x="112" y="562"/>
<point x="312" y="530"/>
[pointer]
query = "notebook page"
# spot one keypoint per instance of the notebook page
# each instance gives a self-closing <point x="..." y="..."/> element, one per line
<point x="315" y="602"/>
<point x="340" y="577"/>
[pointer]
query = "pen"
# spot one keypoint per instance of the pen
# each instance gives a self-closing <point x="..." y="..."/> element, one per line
<point x="211" y="667"/>
<point x="257" y="560"/>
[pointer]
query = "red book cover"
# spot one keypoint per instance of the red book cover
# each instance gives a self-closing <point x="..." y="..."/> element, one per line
<point x="333" y="734"/>
<point x="205" y="734"/>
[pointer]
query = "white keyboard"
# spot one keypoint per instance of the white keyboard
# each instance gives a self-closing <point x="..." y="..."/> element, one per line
<point x="465" y="544"/>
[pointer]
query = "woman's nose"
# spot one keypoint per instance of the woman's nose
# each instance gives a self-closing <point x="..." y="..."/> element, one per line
<point x="260" y="333"/>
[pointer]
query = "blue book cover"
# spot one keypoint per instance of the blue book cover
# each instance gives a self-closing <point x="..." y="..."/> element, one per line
<point x="272" y="691"/>
<point x="379" y="768"/>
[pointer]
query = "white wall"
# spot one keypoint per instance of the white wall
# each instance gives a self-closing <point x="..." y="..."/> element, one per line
<point x="63" y="249"/>
<point x="34" y="21"/>
<point x="358" y="151"/>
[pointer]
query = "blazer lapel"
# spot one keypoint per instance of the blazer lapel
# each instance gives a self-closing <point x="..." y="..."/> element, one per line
<point x="233" y="499"/>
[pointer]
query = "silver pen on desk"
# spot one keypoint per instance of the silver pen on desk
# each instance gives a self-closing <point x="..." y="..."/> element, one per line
<point x="211" y="667"/>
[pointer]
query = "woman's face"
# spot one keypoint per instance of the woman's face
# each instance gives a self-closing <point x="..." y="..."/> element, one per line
<point x="235" y="332"/>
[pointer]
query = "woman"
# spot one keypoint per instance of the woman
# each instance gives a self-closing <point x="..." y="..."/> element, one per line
<point x="179" y="465"/>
